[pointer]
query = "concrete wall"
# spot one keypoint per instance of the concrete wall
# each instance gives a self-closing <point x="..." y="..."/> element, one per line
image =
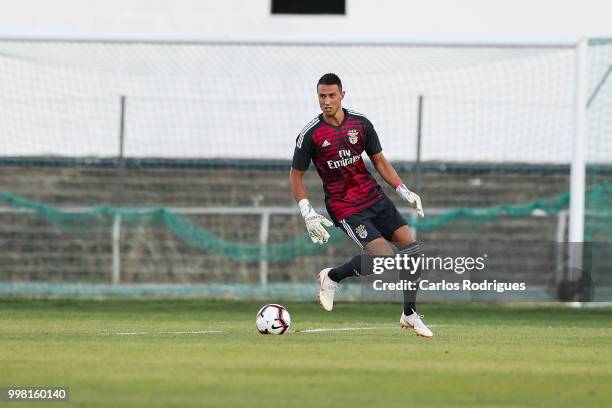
<point x="33" y="249"/>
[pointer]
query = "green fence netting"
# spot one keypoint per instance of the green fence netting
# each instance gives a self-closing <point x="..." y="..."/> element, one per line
<point x="598" y="202"/>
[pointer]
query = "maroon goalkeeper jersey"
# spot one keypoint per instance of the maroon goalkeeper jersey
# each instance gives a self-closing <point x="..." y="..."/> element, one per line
<point x="336" y="153"/>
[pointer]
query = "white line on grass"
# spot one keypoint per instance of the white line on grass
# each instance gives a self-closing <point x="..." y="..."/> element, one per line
<point x="337" y="329"/>
<point x="317" y="330"/>
<point x="167" y="332"/>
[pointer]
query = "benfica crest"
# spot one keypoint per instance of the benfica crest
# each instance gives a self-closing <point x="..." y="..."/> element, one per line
<point x="353" y="136"/>
<point x="361" y="231"/>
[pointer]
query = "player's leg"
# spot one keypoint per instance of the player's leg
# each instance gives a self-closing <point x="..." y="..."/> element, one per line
<point x="360" y="229"/>
<point x="407" y="245"/>
<point x="360" y="265"/>
<point x="393" y="226"/>
<point x="410" y="318"/>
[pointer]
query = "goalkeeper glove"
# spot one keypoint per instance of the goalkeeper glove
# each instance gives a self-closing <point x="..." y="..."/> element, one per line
<point x="315" y="223"/>
<point x="413" y="199"/>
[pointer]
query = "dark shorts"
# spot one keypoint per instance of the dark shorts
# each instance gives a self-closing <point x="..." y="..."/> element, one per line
<point x="379" y="220"/>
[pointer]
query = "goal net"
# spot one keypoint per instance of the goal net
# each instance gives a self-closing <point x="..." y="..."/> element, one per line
<point x="167" y="162"/>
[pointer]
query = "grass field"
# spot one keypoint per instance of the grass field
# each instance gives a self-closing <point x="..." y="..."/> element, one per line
<point x="481" y="355"/>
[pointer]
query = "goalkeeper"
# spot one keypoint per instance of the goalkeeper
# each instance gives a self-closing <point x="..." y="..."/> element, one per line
<point x="334" y="142"/>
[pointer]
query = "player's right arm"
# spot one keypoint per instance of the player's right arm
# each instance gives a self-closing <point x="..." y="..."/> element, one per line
<point x="315" y="223"/>
<point x="297" y="184"/>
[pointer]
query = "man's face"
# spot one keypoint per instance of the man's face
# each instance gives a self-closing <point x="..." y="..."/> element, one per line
<point x="330" y="99"/>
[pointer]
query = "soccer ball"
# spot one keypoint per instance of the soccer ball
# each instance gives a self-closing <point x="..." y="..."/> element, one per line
<point x="273" y="319"/>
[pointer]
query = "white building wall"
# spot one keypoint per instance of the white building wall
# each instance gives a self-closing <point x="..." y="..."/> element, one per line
<point x="433" y="19"/>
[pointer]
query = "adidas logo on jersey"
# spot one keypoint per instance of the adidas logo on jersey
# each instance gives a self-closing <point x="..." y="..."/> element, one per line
<point x="325" y="144"/>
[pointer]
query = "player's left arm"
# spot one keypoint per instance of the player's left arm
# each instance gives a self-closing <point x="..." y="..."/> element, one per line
<point x="388" y="173"/>
<point x="386" y="170"/>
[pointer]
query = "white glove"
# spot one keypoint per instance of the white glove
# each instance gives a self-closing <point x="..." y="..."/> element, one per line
<point x="413" y="199"/>
<point x="315" y="223"/>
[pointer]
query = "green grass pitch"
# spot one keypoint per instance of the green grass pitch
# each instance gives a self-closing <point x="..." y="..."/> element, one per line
<point x="481" y="355"/>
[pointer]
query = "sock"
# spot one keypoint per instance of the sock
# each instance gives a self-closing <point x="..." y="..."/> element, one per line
<point x="413" y="251"/>
<point x="361" y="265"/>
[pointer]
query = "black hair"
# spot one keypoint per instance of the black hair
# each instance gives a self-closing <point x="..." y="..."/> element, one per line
<point x="330" y="79"/>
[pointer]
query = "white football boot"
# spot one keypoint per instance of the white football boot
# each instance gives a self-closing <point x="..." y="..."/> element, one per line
<point x="414" y="321"/>
<point x="327" y="290"/>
